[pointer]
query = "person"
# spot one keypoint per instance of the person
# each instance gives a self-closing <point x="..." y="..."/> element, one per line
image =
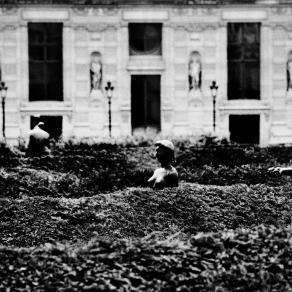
<point x="280" y="171"/>
<point x="38" y="141"/>
<point x="166" y="175"/>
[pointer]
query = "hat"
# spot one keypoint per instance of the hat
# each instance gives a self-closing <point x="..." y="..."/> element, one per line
<point x="165" y="143"/>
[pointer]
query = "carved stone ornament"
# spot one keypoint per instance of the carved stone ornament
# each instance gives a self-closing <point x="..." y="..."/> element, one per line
<point x="195" y="11"/>
<point x="194" y="27"/>
<point x="10" y="10"/>
<point x="8" y="26"/>
<point x="81" y="11"/>
<point x="95" y="27"/>
<point x="281" y="10"/>
<point x="90" y="11"/>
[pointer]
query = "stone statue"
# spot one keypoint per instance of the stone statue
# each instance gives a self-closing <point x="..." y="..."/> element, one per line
<point x="95" y="71"/>
<point x="289" y="71"/>
<point x="195" y="71"/>
<point x="38" y="141"/>
<point x="166" y="175"/>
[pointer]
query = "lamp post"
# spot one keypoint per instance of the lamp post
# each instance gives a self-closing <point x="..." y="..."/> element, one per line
<point x="109" y="92"/>
<point x="3" y="91"/>
<point x="214" y="89"/>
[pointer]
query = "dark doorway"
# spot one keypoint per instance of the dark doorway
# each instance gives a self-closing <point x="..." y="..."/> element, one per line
<point x="145" y="101"/>
<point x="52" y="124"/>
<point x="244" y="129"/>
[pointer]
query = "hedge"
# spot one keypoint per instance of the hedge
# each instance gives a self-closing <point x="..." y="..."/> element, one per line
<point x="136" y="212"/>
<point x="241" y="260"/>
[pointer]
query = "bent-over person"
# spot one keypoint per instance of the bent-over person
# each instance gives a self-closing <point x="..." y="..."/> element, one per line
<point x="38" y="141"/>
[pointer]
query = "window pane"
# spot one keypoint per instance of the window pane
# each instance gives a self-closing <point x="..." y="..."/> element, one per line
<point x="54" y="90"/>
<point x="53" y="33"/>
<point x="36" y="33"/>
<point x="36" y="53"/>
<point x="54" y="53"/>
<point x="234" y="80"/>
<point x="243" y="61"/>
<point x="36" y="91"/>
<point x="251" y="52"/>
<point x="145" y="38"/>
<point x="36" y="72"/>
<point x="234" y="52"/>
<point x="252" y="80"/>
<point x="234" y="33"/>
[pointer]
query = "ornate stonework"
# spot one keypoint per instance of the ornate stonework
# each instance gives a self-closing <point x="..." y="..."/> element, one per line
<point x="8" y="26"/>
<point x="194" y="27"/>
<point x="195" y="11"/>
<point x="95" y="27"/>
<point x="9" y="10"/>
<point x="281" y="10"/>
<point x="88" y="11"/>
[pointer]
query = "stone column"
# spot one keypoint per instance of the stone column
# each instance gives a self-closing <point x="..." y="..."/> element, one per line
<point x="68" y="57"/>
<point x="125" y="79"/>
<point x="167" y="80"/>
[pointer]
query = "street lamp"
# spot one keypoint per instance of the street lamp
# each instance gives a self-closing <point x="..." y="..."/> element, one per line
<point x="214" y="89"/>
<point x="109" y="91"/>
<point x="3" y="92"/>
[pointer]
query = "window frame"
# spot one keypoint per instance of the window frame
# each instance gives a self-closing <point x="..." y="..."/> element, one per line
<point x="244" y="89"/>
<point x="49" y="67"/>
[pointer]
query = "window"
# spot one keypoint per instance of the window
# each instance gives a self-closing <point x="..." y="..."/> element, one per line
<point x="45" y="61"/>
<point x="243" y="55"/>
<point x="145" y="38"/>
<point x="244" y="129"/>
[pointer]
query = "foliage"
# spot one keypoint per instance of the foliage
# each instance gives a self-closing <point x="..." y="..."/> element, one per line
<point x="241" y="260"/>
<point x="136" y="212"/>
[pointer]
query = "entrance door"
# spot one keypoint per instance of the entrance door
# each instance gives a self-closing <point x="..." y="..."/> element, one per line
<point x="145" y="102"/>
<point x="244" y="129"/>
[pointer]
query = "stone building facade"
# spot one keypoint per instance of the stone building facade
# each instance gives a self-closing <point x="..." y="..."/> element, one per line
<point x="95" y="43"/>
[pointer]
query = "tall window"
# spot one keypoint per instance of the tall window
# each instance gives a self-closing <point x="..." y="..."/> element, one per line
<point x="145" y="38"/>
<point x="45" y="61"/>
<point x="243" y="60"/>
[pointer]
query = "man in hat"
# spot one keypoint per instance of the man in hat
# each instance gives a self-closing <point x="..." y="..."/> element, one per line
<point x="166" y="175"/>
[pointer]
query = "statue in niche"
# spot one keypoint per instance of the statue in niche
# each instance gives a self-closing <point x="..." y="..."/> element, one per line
<point x="195" y="71"/>
<point x="95" y="71"/>
<point x="289" y="72"/>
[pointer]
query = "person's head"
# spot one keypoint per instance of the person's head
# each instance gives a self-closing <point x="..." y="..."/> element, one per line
<point x="164" y="151"/>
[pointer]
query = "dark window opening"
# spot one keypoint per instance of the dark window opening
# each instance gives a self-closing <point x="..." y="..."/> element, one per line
<point x="145" y="101"/>
<point x="52" y="124"/>
<point x="243" y="54"/>
<point x="244" y="129"/>
<point x="145" y="38"/>
<point x="45" y="52"/>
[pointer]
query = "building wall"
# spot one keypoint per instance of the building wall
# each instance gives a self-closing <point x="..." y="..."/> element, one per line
<point x="185" y="29"/>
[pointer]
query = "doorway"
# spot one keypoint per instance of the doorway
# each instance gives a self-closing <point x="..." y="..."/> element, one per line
<point x="244" y="129"/>
<point x="145" y="103"/>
